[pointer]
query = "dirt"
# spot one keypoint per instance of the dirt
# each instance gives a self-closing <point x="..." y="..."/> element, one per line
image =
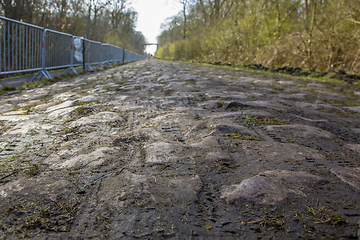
<point x="299" y="72"/>
<point x="20" y="80"/>
<point x="166" y="150"/>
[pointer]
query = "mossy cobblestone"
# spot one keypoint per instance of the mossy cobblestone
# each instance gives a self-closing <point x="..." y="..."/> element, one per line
<point x="167" y="150"/>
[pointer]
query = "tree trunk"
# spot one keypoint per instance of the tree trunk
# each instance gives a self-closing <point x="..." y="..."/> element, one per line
<point x="184" y="10"/>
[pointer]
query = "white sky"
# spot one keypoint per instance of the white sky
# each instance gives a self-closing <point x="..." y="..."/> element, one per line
<point x="151" y="13"/>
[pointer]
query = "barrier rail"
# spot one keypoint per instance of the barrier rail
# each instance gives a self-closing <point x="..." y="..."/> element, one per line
<point x="19" y="39"/>
<point x="112" y="54"/>
<point x="26" y="48"/>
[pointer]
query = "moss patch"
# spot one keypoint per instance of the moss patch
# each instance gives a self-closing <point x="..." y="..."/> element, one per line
<point x="39" y="216"/>
<point x="249" y="120"/>
<point x="242" y="137"/>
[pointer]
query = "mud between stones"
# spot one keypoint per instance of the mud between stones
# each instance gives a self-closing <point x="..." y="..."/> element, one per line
<point x="164" y="150"/>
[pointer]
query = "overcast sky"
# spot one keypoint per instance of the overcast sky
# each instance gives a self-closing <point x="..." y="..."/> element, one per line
<point x="151" y="13"/>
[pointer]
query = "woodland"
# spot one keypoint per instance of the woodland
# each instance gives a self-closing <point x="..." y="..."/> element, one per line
<point x="320" y="35"/>
<point x="110" y="21"/>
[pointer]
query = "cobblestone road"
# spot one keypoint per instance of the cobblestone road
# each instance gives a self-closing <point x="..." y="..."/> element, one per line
<point x="166" y="150"/>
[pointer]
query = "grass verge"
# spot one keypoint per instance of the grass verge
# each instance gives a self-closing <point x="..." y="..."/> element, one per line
<point x="44" y="82"/>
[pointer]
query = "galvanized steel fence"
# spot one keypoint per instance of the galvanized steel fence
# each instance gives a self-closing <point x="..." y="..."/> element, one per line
<point x="27" y="48"/>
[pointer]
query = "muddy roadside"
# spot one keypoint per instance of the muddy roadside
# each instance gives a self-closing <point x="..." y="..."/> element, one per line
<point x="166" y="150"/>
<point x="21" y="80"/>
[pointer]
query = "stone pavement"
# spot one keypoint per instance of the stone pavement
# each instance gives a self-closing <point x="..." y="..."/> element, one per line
<point x="167" y="150"/>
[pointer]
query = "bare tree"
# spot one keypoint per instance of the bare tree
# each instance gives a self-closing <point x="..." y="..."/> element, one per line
<point x="117" y="13"/>
<point x="93" y="9"/>
<point x="100" y="20"/>
<point x="184" y="3"/>
<point x="18" y="10"/>
<point x="212" y="9"/>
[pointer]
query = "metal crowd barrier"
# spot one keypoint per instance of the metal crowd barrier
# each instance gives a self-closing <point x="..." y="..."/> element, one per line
<point x="93" y="52"/>
<point x="26" y="48"/>
<point x="112" y="54"/>
<point x="20" y="46"/>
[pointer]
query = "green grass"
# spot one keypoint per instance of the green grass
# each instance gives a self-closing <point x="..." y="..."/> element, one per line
<point x="78" y="113"/>
<point x="17" y="75"/>
<point x="208" y="228"/>
<point x="242" y="137"/>
<point x="324" y="215"/>
<point x="223" y="166"/>
<point x="80" y="103"/>
<point x="44" y="82"/>
<point x="5" y="89"/>
<point x="82" y="110"/>
<point x="250" y="120"/>
<point x="32" y="171"/>
<point x="346" y="103"/>
<point x="70" y="119"/>
<point x="69" y="130"/>
<point x="40" y="215"/>
<point x="278" y="87"/>
<point x="271" y="221"/>
<point x="33" y="132"/>
<point x="219" y="104"/>
<point x="27" y="145"/>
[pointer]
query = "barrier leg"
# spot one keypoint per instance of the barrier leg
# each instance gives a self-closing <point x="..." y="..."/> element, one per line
<point x="70" y="69"/>
<point x="42" y="73"/>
